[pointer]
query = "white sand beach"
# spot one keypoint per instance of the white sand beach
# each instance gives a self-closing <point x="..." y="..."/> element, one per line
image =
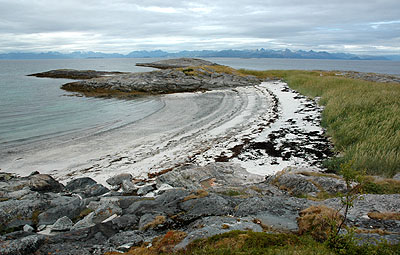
<point x="190" y="128"/>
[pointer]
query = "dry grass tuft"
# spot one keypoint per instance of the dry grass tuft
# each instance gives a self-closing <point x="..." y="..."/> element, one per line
<point x="384" y="215"/>
<point x="318" y="221"/>
<point x="199" y="194"/>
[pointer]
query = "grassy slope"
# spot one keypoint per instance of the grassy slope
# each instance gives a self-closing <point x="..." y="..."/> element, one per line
<point x="363" y="118"/>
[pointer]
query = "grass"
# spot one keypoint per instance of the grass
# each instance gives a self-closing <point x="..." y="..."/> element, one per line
<point x="361" y="117"/>
<point x="247" y="242"/>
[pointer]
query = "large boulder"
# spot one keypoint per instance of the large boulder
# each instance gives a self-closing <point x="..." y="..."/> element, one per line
<point x="44" y="183"/>
<point x="300" y="181"/>
<point x="87" y="187"/>
<point x="212" y="176"/>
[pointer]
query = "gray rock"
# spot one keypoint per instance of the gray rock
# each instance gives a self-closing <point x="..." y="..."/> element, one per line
<point x="25" y="245"/>
<point x="133" y="238"/>
<point x="17" y="213"/>
<point x="128" y="187"/>
<point x="87" y="187"/>
<point x="397" y="177"/>
<point x="86" y="222"/>
<point x="217" y="225"/>
<point x="300" y="181"/>
<point x="213" y="175"/>
<point x="117" y="179"/>
<point x="106" y="210"/>
<point x="77" y="185"/>
<point x="145" y="189"/>
<point x="28" y="228"/>
<point x="62" y="224"/>
<point x="64" y="206"/>
<point x="19" y="194"/>
<point x="152" y="221"/>
<point x="212" y="205"/>
<point x="275" y="212"/>
<point x="44" y="183"/>
<point x="164" y="81"/>
<point x="126" y="222"/>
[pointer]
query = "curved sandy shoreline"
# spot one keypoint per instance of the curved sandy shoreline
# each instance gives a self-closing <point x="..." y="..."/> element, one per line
<point x="188" y="124"/>
<point x="264" y="128"/>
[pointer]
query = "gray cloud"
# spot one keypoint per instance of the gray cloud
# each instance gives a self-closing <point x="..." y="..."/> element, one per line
<point x="368" y="27"/>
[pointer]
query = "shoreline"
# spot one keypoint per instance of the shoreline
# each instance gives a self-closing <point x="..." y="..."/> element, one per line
<point x="197" y="128"/>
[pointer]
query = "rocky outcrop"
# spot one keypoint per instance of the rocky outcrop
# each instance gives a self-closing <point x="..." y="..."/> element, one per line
<point x="177" y="63"/>
<point x="164" y="81"/>
<point x="300" y="181"/>
<point x="195" y="201"/>
<point x="74" y="74"/>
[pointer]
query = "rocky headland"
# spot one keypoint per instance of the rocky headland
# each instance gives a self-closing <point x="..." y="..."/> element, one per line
<point x="74" y="74"/>
<point x="177" y="75"/>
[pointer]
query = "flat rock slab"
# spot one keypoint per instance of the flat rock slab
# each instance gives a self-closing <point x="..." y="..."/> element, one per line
<point x="74" y="74"/>
<point x="177" y="63"/>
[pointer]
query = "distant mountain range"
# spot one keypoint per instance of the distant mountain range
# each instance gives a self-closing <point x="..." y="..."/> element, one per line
<point x="259" y="53"/>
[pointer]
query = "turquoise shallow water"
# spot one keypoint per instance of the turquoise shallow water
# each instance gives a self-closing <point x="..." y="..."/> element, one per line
<point x="33" y="109"/>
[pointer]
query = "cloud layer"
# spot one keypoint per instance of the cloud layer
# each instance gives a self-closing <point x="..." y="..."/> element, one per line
<point x="361" y="27"/>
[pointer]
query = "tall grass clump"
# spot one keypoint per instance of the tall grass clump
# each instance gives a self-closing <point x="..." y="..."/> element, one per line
<point x="361" y="117"/>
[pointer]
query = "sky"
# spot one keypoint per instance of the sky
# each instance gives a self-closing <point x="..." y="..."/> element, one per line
<point x="362" y="27"/>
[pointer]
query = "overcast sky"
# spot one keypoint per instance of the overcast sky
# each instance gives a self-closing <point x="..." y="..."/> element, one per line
<point x="355" y="26"/>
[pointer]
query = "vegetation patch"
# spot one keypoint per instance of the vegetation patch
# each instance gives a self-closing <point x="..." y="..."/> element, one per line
<point x="199" y="194"/>
<point x="374" y="185"/>
<point x="317" y="221"/>
<point x="361" y="117"/>
<point x="384" y="215"/>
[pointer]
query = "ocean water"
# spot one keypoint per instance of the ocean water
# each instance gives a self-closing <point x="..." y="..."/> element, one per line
<point x="34" y="109"/>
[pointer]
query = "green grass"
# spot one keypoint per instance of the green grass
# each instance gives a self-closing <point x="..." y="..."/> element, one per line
<point x="361" y="117"/>
<point x="248" y="242"/>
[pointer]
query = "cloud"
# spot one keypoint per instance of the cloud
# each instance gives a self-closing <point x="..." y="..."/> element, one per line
<point x="372" y="27"/>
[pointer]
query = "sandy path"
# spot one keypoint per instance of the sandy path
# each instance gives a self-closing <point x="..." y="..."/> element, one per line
<point x="189" y="124"/>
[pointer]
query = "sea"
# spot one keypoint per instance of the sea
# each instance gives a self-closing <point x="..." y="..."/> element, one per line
<point x="34" y="109"/>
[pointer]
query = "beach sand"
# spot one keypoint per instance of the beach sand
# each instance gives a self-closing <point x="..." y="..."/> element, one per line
<point x="191" y="128"/>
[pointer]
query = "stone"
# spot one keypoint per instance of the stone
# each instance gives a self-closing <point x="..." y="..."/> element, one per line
<point x="28" y="228"/>
<point x="397" y="177"/>
<point x="86" y="222"/>
<point x="133" y="238"/>
<point x="152" y="221"/>
<point x="275" y="212"/>
<point x="87" y="187"/>
<point x="44" y="183"/>
<point x="106" y="210"/>
<point x="145" y="189"/>
<point x="217" y="225"/>
<point x="62" y="224"/>
<point x="64" y="206"/>
<point x="300" y="181"/>
<point x="212" y="205"/>
<point x="117" y="179"/>
<point x="213" y="175"/>
<point x="77" y="185"/>
<point x="17" y="213"/>
<point x="26" y="245"/>
<point x="126" y="222"/>
<point x="128" y="188"/>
